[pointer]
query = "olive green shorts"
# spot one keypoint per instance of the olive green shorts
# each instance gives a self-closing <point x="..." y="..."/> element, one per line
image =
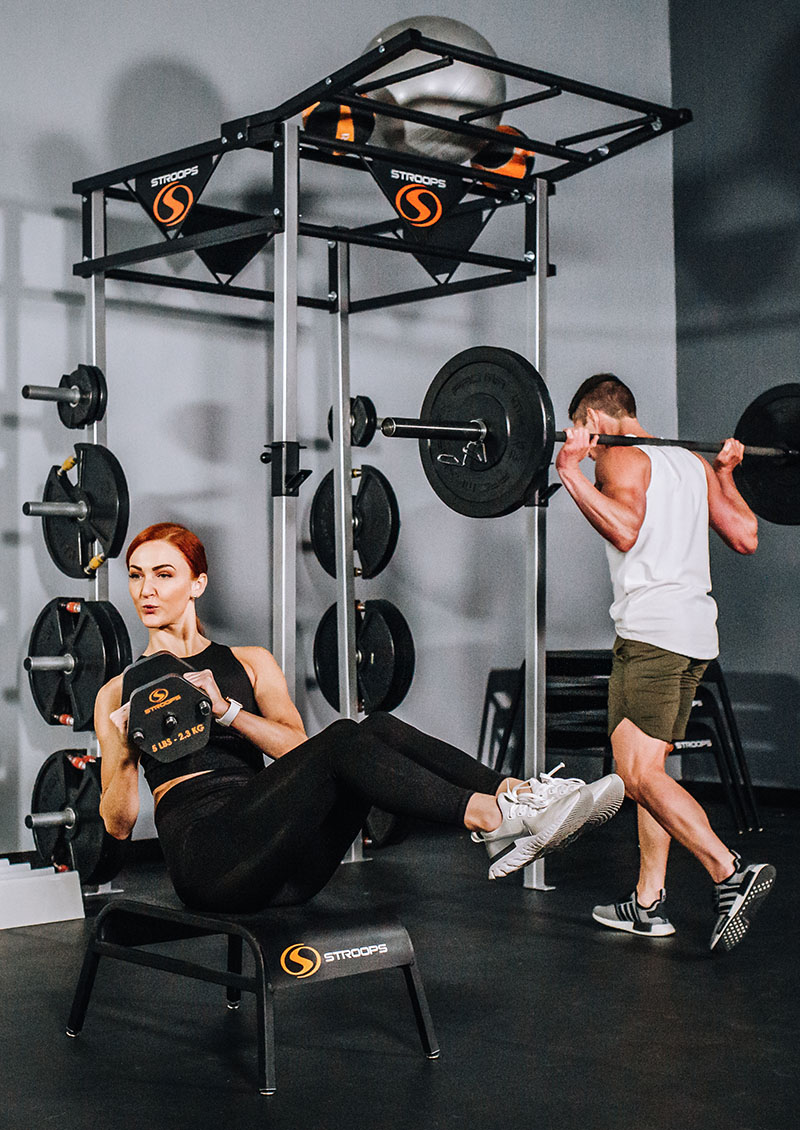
<point x="653" y="688"/>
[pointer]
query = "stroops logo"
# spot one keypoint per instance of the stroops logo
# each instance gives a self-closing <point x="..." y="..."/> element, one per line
<point x="158" y="695"/>
<point x="419" y="205"/>
<point x="175" y="198"/>
<point x="300" y="960"/>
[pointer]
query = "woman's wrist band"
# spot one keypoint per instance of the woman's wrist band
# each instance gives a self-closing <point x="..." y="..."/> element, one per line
<point x="233" y="709"/>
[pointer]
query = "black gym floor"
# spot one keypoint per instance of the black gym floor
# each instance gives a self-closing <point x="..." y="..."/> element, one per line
<point x="545" y="1020"/>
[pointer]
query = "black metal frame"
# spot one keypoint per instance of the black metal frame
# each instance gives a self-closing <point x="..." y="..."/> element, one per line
<point x="348" y="86"/>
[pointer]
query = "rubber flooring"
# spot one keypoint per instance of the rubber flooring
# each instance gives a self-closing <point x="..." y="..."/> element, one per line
<point x="546" y="1021"/>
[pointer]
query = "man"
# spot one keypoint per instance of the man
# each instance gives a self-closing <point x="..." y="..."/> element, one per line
<point x="654" y="506"/>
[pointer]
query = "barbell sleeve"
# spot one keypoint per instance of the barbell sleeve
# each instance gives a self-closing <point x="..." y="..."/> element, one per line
<point x="399" y="428"/>
<point x="71" y="395"/>
<point x="65" y="663"/>
<point x="78" y="510"/>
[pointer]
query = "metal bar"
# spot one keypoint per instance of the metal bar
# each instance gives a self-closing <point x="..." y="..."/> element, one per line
<point x="70" y="395"/>
<point x="96" y="238"/>
<point x="401" y="428"/>
<point x="342" y="480"/>
<point x="533" y="876"/>
<point x="339" y="276"/>
<point x="463" y="286"/>
<point x="401" y="76"/>
<point x="344" y="235"/>
<point x="174" y="965"/>
<point x="166" y="247"/>
<point x="49" y="663"/>
<point x="207" y="287"/>
<point x="78" y="510"/>
<point x="526" y="100"/>
<point x="711" y="446"/>
<point x="127" y="172"/>
<point x="284" y="382"/>
<point x="604" y="131"/>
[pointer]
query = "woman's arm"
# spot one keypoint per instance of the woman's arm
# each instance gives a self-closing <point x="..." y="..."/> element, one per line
<point x="279" y="727"/>
<point x="119" y="764"/>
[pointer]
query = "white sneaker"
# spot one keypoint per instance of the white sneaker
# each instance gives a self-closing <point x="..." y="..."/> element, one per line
<point x="533" y="825"/>
<point x="607" y="794"/>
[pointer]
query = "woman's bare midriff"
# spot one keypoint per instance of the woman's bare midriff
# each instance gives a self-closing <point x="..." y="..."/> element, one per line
<point x="161" y="790"/>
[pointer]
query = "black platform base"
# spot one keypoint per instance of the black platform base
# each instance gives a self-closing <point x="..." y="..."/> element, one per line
<point x="292" y="948"/>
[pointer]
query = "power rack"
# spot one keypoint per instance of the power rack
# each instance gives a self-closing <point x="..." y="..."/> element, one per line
<point x="226" y="239"/>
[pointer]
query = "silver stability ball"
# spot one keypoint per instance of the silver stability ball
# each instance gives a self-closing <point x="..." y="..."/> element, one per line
<point x="449" y="92"/>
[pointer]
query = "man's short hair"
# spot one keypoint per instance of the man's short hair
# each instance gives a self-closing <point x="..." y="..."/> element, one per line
<point x="605" y="393"/>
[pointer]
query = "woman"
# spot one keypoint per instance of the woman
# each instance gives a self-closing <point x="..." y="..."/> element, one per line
<point x="237" y="836"/>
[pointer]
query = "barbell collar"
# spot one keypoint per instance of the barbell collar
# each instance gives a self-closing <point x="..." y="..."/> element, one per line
<point x="79" y="510"/>
<point x="67" y="818"/>
<point x="400" y="428"/>
<point x="71" y="395"/>
<point x="65" y="663"/>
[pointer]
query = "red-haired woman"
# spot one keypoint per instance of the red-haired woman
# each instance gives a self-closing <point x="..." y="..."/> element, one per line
<point x="238" y="836"/>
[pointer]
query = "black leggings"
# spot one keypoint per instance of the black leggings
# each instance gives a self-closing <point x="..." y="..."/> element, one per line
<point x="238" y="842"/>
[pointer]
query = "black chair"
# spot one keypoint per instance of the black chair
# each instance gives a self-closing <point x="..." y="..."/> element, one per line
<point x="291" y="948"/>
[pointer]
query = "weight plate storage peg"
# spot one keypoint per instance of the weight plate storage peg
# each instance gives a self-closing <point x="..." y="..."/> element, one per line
<point x="92" y="511"/>
<point x="81" y="396"/>
<point x="376" y="522"/>
<point x="75" y="647"/>
<point x="771" y="486"/>
<point x="385" y="656"/>
<point x="65" y="818"/>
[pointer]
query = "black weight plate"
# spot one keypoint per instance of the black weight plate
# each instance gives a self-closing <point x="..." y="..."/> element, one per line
<point x="326" y="656"/>
<point x="376" y="522"/>
<point x="363" y="421"/>
<point x="376" y="519"/>
<point x="100" y="482"/>
<point x="771" y="484"/>
<point x="386" y="656"/>
<point x="504" y="390"/>
<point x="92" y="405"/>
<point x="97" y="639"/>
<point x="62" y="783"/>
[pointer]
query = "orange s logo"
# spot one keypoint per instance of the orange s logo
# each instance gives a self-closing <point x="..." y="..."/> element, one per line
<point x="300" y="960"/>
<point x="419" y="205"/>
<point x="159" y="694"/>
<point x="172" y="204"/>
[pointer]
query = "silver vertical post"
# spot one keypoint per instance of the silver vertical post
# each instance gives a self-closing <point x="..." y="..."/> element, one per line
<point x="96" y="205"/>
<point x="343" y="501"/>
<point x="284" y="402"/>
<point x="342" y="490"/>
<point x="535" y="569"/>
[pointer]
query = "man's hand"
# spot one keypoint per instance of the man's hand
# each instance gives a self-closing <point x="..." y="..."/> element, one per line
<point x="579" y="443"/>
<point x="729" y="457"/>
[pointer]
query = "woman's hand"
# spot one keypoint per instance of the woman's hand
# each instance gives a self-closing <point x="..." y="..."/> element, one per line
<point x="120" y="719"/>
<point x="205" y="681"/>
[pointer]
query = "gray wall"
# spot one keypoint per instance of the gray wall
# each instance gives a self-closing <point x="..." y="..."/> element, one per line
<point x="737" y="202"/>
<point x="87" y="87"/>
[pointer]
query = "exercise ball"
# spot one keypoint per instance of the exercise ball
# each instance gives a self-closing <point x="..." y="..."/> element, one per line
<point x="449" y="91"/>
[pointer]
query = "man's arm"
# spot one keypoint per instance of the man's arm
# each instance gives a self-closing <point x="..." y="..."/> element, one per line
<point x="616" y="506"/>
<point x="728" y="513"/>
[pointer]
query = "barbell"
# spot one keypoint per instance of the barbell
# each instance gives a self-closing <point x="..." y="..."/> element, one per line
<point x="487" y="433"/>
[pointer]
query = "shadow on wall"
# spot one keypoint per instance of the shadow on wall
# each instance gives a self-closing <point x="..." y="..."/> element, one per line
<point x="739" y="237"/>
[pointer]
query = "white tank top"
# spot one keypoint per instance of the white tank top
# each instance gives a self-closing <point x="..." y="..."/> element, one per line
<point x="662" y="585"/>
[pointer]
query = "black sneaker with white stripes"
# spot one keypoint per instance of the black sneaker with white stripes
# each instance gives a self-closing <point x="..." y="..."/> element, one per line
<point x="737" y="899"/>
<point x="630" y="915"/>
